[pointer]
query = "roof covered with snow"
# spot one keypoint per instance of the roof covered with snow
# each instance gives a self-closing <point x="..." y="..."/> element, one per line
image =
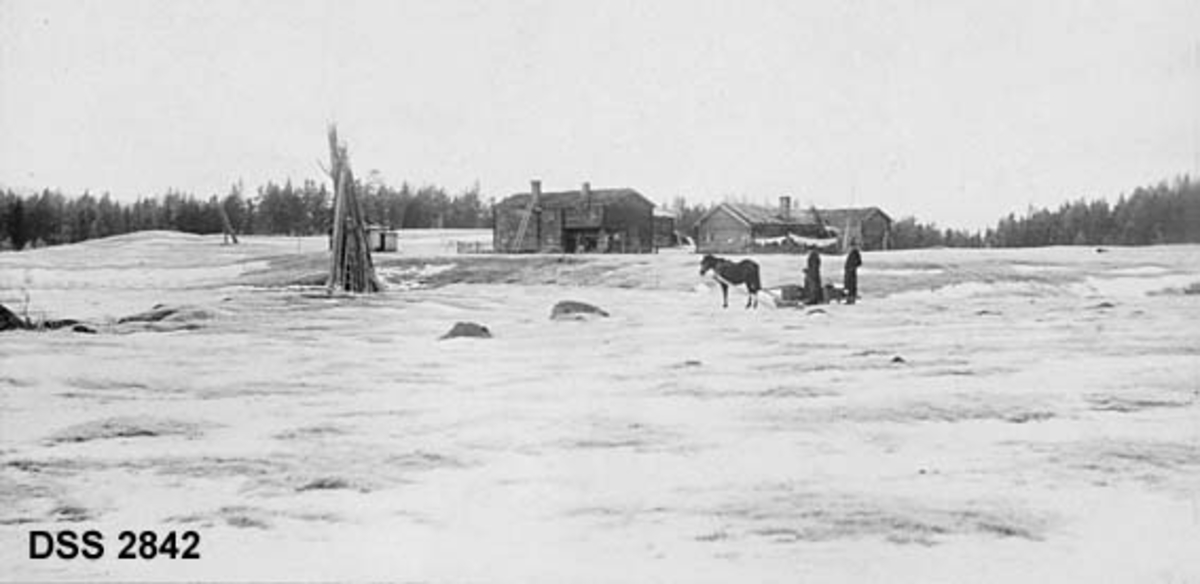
<point x="760" y="215"/>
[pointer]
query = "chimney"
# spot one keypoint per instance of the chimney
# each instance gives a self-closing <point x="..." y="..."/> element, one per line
<point x="535" y="190"/>
<point x="586" y="191"/>
<point x="785" y="207"/>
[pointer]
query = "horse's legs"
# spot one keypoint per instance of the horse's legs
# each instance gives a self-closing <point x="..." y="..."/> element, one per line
<point x="753" y="286"/>
<point x="724" y="295"/>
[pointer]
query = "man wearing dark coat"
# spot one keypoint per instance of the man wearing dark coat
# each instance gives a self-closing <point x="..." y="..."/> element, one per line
<point x="850" y="277"/>
<point x="813" y="292"/>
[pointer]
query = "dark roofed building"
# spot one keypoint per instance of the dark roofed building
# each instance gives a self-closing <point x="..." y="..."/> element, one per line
<point x="587" y="220"/>
<point x="739" y="228"/>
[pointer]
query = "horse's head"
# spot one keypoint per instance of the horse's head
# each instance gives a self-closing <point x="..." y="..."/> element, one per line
<point x="707" y="263"/>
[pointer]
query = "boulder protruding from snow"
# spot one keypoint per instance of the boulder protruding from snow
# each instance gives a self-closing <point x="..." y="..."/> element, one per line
<point x="468" y="329"/>
<point x="156" y="313"/>
<point x="163" y="318"/>
<point x="574" y="310"/>
<point x="10" y="321"/>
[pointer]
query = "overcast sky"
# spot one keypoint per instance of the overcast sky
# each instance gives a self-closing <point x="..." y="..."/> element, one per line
<point x="957" y="111"/>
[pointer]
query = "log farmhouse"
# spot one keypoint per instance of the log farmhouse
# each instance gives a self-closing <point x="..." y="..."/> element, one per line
<point x="587" y="220"/>
<point x="743" y="228"/>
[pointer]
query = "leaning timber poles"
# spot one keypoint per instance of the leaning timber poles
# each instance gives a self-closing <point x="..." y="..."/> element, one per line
<point x="226" y="226"/>
<point x="350" y="268"/>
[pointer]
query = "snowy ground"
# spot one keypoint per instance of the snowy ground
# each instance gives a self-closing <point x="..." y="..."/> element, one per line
<point x="984" y="415"/>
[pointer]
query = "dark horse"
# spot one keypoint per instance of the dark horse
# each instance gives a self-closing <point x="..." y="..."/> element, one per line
<point x="728" y="273"/>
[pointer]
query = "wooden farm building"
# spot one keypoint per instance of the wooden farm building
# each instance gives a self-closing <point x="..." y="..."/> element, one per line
<point x="742" y="228"/>
<point x="582" y="221"/>
<point x="665" y="233"/>
<point x="869" y="225"/>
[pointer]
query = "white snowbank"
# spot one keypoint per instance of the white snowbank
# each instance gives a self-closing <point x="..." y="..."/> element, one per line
<point x="1132" y="286"/>
<point x="409" y="278"/>
<point x="1002" y="428"/>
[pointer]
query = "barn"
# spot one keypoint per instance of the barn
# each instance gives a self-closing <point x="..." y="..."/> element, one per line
<point x="742" y="228"/>
<point x="618" y="220"/>
<point x="869" y="225"/>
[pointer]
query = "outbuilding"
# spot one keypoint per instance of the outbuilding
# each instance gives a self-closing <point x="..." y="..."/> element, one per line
<point x="870" y="226"/>
<point x="665" y="233"/>
<point x="381" y="238"/>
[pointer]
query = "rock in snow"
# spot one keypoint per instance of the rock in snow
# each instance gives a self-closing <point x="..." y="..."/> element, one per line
<point x="10" y="321"/>
<point x="571" y="309"/>
<point x="468" y="329"/>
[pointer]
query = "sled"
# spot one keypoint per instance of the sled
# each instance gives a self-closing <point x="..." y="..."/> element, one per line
<point x="792" y="296"/>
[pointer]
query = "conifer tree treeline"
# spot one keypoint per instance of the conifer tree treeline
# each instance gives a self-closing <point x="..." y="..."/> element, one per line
<point x="1161" y="214"/>
<point x="51" y="218"/>
<point x="1168" y="212"/>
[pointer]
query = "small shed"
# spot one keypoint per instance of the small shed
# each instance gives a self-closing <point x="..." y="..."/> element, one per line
<point x="381" y="238"/>
<point x="613" y="220"/>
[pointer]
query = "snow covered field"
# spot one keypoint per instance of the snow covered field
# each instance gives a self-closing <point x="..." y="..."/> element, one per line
<point x="981" y="416"/>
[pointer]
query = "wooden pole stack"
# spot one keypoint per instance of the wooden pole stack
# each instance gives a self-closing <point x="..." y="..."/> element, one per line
<point x="226" y="225"/>
<point x="350" y="269"/>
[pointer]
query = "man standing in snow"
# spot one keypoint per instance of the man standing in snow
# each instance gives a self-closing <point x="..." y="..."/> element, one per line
<point x="813" y="293"/>
<point x="850" y="277"/>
